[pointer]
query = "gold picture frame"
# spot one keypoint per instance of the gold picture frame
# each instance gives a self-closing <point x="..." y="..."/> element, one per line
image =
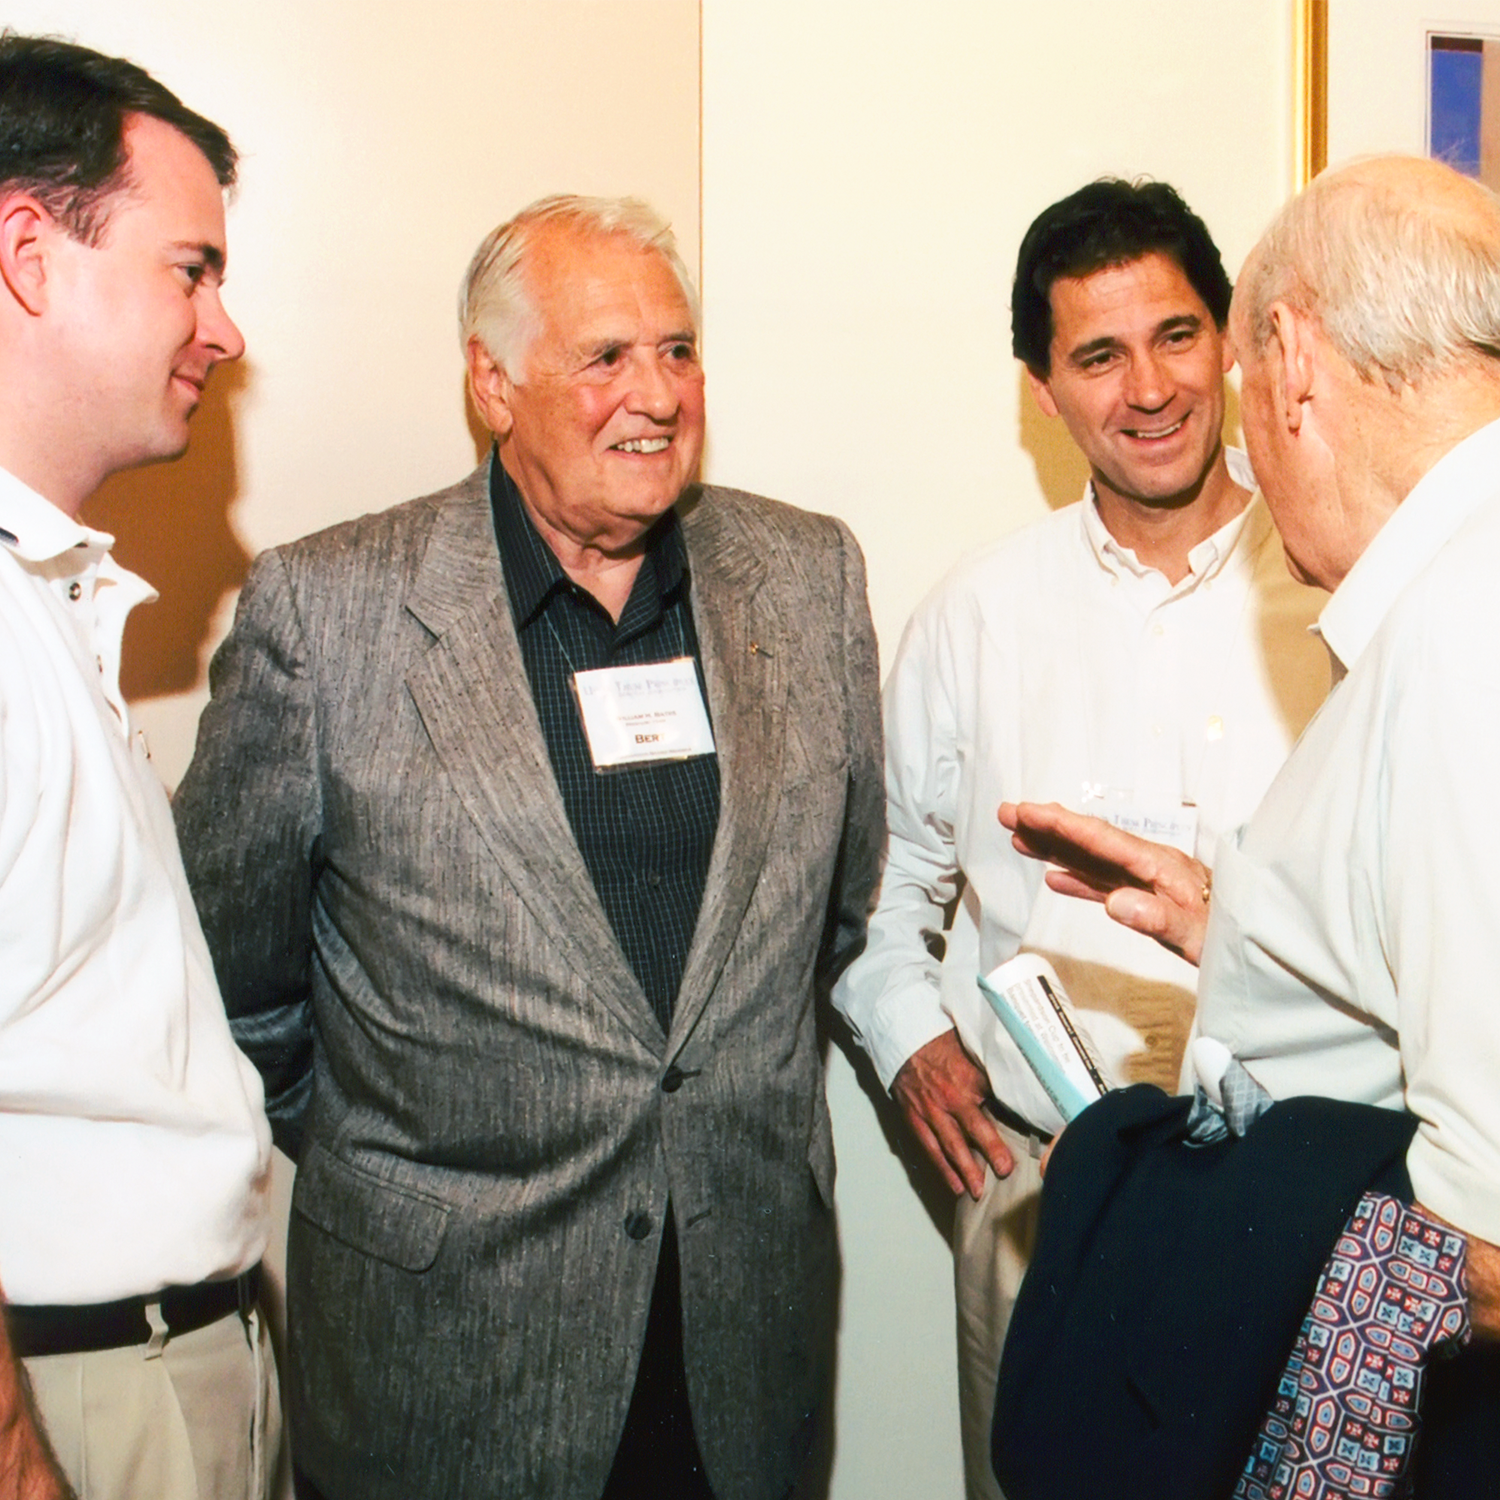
<point x="1310" y="69"/>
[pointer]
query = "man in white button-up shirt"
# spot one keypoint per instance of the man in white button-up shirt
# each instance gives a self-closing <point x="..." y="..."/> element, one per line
<point x="1142" y="654"/>
<point x="1352" y="943"/>
<point x="134" y="1150"/>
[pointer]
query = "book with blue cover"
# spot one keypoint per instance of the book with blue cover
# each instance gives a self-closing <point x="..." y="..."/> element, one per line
<point x="1033" y="1008"/>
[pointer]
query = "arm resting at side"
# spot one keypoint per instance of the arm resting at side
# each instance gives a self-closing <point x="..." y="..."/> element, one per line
<point x="858" y="870"/>
<point x="28" y="1471"/>
<point x="248" y="814"/>
<point x="941" y="1091"/>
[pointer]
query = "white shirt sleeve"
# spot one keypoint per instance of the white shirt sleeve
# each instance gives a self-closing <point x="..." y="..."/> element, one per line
<point x="890" y="994"/>
<point x="1442" y="936"/>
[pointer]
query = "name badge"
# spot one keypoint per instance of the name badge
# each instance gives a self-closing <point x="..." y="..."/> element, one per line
<point x="1170" y="823"/>
<point x="633" y="716"/>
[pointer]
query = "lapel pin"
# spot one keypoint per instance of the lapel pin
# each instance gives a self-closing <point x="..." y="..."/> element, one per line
<point x="756" y="649"/>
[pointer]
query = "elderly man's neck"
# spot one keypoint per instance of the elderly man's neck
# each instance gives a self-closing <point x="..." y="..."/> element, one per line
<point x="1162" y="533"/>
<point x="1407" y="432"/>
<point x="605" y="565"/>
<point x="1386" y="441"/>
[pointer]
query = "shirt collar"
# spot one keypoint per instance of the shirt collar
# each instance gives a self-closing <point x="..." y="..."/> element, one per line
<point x="37" y="530"/>
<point x="1439" y="503"/>
<point x="532" y="571"/>
<point x="1205" y="560"/>
<point x="52" y="544"/>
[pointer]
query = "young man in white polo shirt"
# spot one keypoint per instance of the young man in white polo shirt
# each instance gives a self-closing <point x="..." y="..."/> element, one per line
<point x="134" y="1151"/>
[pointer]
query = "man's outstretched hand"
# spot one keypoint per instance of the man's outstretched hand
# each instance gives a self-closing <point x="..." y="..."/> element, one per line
<point x="1151" y="888"/>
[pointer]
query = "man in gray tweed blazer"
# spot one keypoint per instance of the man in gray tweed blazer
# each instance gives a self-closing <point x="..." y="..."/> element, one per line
<point x="526" y="822"/>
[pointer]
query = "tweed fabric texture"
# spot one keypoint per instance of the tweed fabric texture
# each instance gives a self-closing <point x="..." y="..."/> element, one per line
<point x="487" y="1113"/>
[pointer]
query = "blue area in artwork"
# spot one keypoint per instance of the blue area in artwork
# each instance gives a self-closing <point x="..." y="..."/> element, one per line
<point x="1457" y="87"/>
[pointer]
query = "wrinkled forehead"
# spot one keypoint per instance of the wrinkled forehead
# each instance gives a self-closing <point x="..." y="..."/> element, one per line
<point x="572" y="272"/>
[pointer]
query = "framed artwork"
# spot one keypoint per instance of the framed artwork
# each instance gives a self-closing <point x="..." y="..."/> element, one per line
<point x="1397" y="75"/>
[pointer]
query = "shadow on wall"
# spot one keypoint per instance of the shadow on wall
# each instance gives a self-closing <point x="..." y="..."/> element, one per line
<point x="1061" y="470"/>
<point x="172" y="525"/>
<point x="925" y="1182"/>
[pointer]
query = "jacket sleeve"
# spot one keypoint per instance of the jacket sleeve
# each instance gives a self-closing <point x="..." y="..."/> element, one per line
<point x="248" y="816"/>
<point x="862" y="845"/>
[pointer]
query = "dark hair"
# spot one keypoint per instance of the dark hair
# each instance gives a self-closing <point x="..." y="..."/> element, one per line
<point x="63" y="112"/>
<point x="1110" y="222"/>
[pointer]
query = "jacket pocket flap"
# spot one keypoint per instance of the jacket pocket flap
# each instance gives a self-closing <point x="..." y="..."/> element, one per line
<point x="388" y="1220"/>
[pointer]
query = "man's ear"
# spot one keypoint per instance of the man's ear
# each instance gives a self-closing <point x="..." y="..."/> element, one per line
<point x="491" y="389"/>
<point x="25" y="228"/>
<point x="1043" y="393"/>
<point x="1293" y="358"/>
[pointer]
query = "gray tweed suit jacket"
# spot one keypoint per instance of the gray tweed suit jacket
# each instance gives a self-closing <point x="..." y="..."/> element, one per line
<point x="454" y="1046"/>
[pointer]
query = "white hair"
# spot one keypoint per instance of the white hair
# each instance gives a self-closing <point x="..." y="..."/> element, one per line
<point x="1398" y="260"/>
<point x="494" y="301"/>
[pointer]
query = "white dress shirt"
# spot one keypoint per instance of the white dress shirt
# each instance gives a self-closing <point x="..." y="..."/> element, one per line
<point x="1055" y="666"/>
<point x="134" y="1151"/>
<point x="1353" y="949"/>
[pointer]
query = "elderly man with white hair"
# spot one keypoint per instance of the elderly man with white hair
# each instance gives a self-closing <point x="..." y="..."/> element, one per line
<point x="1349" y="945"/>
<point x="527" y="821"/>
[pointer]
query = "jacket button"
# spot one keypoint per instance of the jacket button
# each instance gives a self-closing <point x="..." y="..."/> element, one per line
<point x="637" y="1224"/>
<point x="672" y="1079"/>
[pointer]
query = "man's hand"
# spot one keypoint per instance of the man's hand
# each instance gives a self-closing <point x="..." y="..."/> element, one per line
<point x="28" y="1470"/>
<point x="941" y="1090"/>
<point x="1151" y="888"/>
<point x="1483" y="1281"/>
<point x="1484" y="1289"/>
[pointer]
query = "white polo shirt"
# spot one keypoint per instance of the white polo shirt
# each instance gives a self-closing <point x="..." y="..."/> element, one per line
<point x="134" y="1150"/>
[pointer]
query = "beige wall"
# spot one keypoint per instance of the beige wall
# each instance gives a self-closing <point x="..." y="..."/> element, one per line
<point x="867" y="169"/>
<point x="381" y="141"/>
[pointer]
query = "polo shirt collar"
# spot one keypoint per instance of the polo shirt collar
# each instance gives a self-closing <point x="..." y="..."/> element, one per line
<point x="36" y="530"/>
<point x="1205" y="560"/>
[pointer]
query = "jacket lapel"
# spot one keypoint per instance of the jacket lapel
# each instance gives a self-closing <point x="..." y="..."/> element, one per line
<point x="474" y="698"/>
<point x="743" y="666"/>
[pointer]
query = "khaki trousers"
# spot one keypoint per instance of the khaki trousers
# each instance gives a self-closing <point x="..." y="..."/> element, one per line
<point x="198" y="1419"/>
<point x="992" y="1243"/>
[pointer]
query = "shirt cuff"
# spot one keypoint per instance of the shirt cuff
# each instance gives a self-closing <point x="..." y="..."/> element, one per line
<point x="1452" y="1190"/>
<point x="902" y="1025"/>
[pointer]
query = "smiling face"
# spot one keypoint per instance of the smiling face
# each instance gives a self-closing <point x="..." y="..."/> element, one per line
<point x="1137" y="375"/>
<point x="601" y="427"/>
<point x="139" y="317"/>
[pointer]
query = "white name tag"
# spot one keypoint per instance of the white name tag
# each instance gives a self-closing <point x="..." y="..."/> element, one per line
<point x="635" y="715"/>
<point x="1170" y="823"/>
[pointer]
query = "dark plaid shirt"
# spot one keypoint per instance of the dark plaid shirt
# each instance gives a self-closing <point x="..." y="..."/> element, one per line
<point x="646" y="832"/>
